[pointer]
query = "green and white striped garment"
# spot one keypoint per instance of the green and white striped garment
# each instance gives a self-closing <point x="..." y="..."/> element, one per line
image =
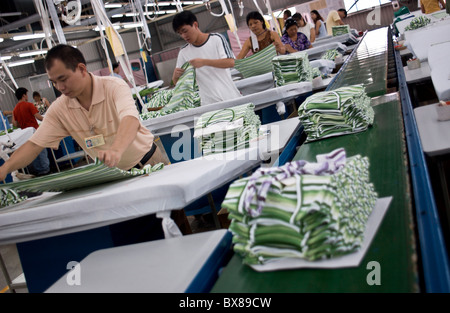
<point x="228" y="129"/>
<point x="256" y="64"/>
<point x="292" y="68"/>
<point x="418" y="22"/>
<point x="340" y="30"/>
<point x="85" y="176"/>
<point x="183" y="96"/>
<point x="331" y="54"/>
<point x="338" y="112"/>
<point x="304" y="216"/>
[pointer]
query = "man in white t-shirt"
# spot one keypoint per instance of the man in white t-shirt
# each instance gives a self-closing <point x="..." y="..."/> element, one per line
<point x="210" y="55"/>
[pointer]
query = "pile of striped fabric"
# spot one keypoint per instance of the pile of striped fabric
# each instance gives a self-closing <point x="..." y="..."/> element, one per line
<point x="340" y="30"/>
<point x="418" y="22"/>
<point x="183" y="96"/>
<point x="228" y="129"/>
<point x="292" y="68"/>
<point x="256" y="64"/>
<point x="331" y="54"/>
<point x="308" y="211"/>
<point x="338" y="112"/>
<point x="90" y="175"/>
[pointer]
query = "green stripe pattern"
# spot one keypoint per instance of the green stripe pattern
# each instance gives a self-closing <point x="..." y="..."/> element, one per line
<point x="309" y="217"/>
<point x="418" y="22"/>
<point x="90" y="175"/>
<point x="256" y="64"/>
<point x="338" y="112"/>
<point x="232" y="139"/>
<point x="291" y="68"/>
<point x="182" y="97"/>
<point x="331" y="54"/>
<point x="340" y="30"/>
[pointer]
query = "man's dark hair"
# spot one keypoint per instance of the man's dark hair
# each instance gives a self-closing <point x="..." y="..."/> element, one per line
<point x="287" y="13"/>
<point x="255" y="15"/>
<point x="183" y="18"/>
<point x="69" y="55"/>
<point x="298" y="16"/>
<point x="345" y="12"/>
<point x="36" y="94"/>
<point x="20" y="92"/>
<point x="115" y="65"/>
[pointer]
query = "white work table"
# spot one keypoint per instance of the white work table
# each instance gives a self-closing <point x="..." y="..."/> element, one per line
<point x="417" y="75"/>
<point x="18" y="136"/>
<point x="177" y="265"/>
<point x="165" y="124"/>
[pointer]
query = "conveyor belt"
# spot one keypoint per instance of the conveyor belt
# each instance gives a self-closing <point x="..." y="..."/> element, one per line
<point x="393" y="246"/>
<point x="367" y="64"/>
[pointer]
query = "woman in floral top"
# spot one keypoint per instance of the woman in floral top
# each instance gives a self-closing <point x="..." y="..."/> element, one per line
<point x="293" y="40"/>
<point x="40" y="103"/>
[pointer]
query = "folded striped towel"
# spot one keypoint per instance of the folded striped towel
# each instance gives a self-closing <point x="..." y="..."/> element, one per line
<point x="228" y="129"/>
<point x="340" y="30"/>
<point x="256" y="64"/>
<point x="291" y="68"/>
<point x="418" y="22"/>
<point x="331" y="54"/>
<point x="84" y="176"/>
<point x="338" y="112"/>
<point x="301" y="210"/>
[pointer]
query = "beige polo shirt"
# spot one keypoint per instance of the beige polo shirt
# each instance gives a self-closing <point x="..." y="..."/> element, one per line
<point x="111" y="102"/>
<point x="332" y="20"/>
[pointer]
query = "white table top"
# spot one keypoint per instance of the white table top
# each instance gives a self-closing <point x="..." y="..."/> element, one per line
<point x="434" y="134"/>
<point x="18" y="136"/>
<point x="160" y="266"/>
<point x="317" y="50"/>
<point x="165" y="124"/>
<point x="420" y="74"/>
<point x="172" y="188"/>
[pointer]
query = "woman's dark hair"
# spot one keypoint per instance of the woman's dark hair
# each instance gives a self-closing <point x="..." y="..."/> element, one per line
<point x="298" y="16"/>
<point x="183" y="18"/>
<point x="255" y="15"/>
<point x="20" y="92"/>
<point x="289" y="23"/>
<point x="36" y="94"/>
<point x="69" y="55"/>
<point x="319" y="17"/>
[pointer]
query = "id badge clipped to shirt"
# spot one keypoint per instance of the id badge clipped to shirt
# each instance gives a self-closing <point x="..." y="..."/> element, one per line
<point x="94" y="141"/>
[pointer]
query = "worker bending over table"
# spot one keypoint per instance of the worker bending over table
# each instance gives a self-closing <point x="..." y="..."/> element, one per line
<point x="210" y="55"/>
<point x="94" y="110"/>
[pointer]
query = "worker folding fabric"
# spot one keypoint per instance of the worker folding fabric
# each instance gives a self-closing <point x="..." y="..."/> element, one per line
<point x="256" y="64"/>
<point x="338" y="112"/>
<point x="183" y="96"/>
<point x="228" y="129"/>
<point x="302" y="210"/>
<point x="84" y="176"/>
<point x="292" y="68"/>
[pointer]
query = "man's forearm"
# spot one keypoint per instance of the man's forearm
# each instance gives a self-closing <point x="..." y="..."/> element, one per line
<point x="126" y="133"/>
<point x="21" y="157"/>
<point x="220" y="63"/>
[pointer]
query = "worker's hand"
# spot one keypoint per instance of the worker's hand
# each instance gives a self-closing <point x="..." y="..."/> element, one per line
<point x="281" y="108"/>
<point x="177" y="74"/>
<point x="3" y="173"/>
<point x="110" y="157"/>
<point x="197" y="62"/>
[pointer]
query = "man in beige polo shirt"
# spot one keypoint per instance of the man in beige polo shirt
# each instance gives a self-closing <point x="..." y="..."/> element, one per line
<point x="335" y="18"/>
<point x="95" y="111"/>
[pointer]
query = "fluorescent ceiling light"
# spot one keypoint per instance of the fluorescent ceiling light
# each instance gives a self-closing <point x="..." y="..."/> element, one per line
<point x="132" y="25"/>
<point x="117" y="15"/>
<point x="96" y="28"/>
<point x="113" y="5"/>
<point x="31" y="53"/>
<point x="29" y="36"/>
<point x="12" y="64"/>
<point x="171" y="11"/>
<point x="1" y="39"/>
<point x="6" y="57"/>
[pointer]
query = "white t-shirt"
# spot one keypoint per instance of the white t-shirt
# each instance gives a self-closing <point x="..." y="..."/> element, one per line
<point x="307" y="30"/>
<point x="214" y="84"/>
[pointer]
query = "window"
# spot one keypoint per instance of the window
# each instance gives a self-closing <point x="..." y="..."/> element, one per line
<point x="362" y="4"/>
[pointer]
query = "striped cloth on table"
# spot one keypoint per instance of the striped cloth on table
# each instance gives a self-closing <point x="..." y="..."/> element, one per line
<point x="331" y="54"/>
<point x="85" y="176"/>
<point x="418" y="22"/>
<point x="340" y="30"/>
<point x="183" y="96"/>
<point x="301" y="210"/>
<point x="228" y="129"/>
<point x="256" y="64"/>
<point x="338" y="112"/>
<point x="291" y="68"/>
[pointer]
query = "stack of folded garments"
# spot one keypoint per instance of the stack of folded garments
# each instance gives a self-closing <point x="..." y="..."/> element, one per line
<point x="418" y="22"/>
<point x="292" y="68"/>
<point x="338" y="112"/>
<point x="331" y="54"/>
<point x="85" y="176"/>
<point x="227" y="129"/>
<point x="183" y="96"/>
<point x="302" y="210"/>
<point x="340" y="30"/>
